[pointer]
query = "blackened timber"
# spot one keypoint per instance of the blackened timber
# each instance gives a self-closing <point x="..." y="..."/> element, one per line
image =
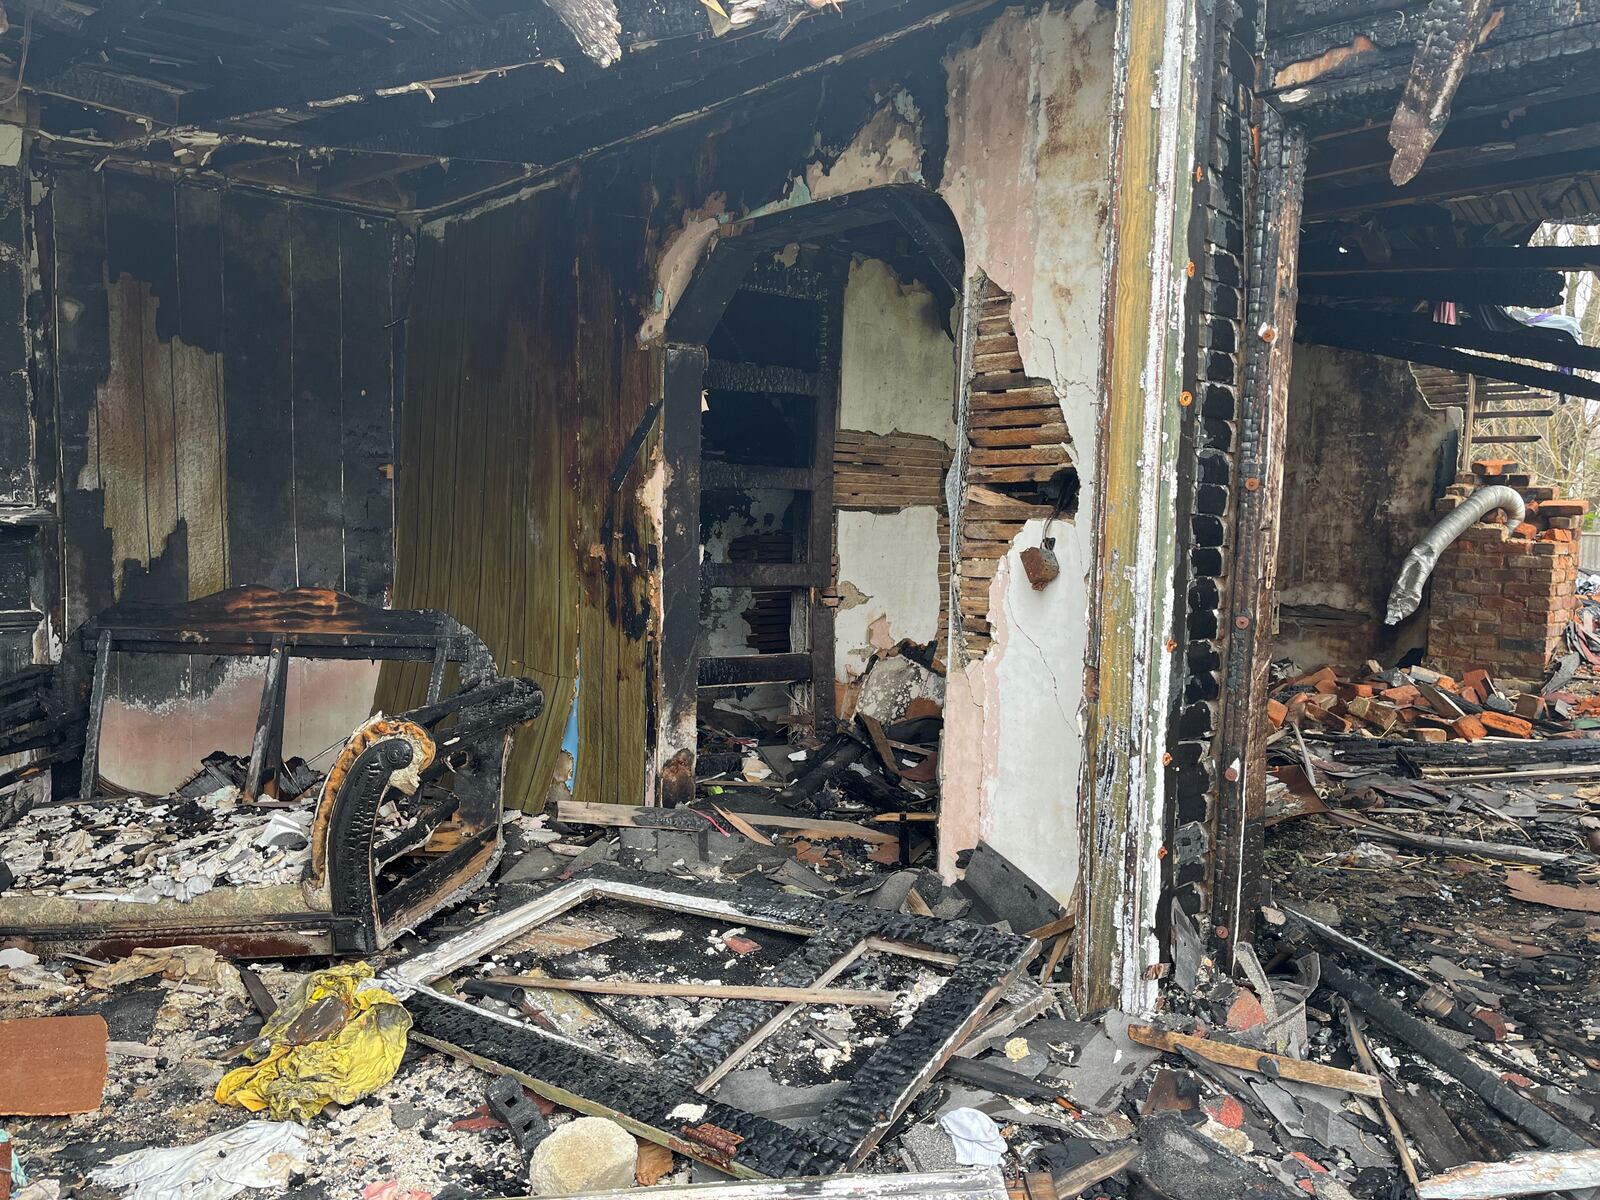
<point x="680" y="565"/>
<point x="1473" y="259"/>
<point x="266" y="748"/>
<point x="316" y="468"/>
<point x="114" y="93"/>
<point x="518" y="129"/>
<point x="1452" y="360"/>
<point x="1454" y="183"/>
<point x="16" y="466"/>
<point x="1535" y="289"/>
<point x="512" y="41"/>
<point x="765" y="575"/>
<point x="1449" y="34"/>
<point x="754" y="668"/>
<point x="1558" y="351"/>
<point x="716" y="474"/>
<point x="1277" y="193"/>
<point x="753" y="377"/>
<point x="1471" y="137"/>
<point x="255" y="236"/>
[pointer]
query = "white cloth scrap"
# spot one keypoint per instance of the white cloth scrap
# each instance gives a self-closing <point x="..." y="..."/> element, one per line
<point x="978" y="1142"/>
<point x="257" y="1154"/>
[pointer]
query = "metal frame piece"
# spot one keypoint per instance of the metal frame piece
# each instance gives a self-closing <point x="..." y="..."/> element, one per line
<point x="669" y="1104"/>
<point x="338" y="906"/>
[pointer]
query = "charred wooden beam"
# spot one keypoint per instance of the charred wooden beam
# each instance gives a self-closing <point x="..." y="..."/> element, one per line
<point x="715" y="474"/>
<point x="734" y="670"/>
<point x="1460" y="258"/>
<point x="1471" y="136"/>
<point x="1451" y="360"/>
<point x="1535" y="289"/>
<point x="1558" y="352"/>
<point x="517" y="40"/>
<point x="765" y="575"/>
<point x="1450" y="33"/>
<point x="117" y="93"/>
<point x="1277" y="191"/>
<point x="1552" y="39"/>
<point x="520" y="126"/>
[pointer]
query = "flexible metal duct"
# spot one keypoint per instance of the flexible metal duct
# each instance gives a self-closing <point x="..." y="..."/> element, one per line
<point x="1424" y="556"/>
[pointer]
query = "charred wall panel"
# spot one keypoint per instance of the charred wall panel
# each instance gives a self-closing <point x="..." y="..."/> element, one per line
<point x="21" y="603"/>
<point x="527" y="439"/>
<point x="486" y="524"/>
<point x="224" y="375"/>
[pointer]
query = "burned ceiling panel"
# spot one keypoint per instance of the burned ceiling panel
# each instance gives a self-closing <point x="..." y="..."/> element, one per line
<point x="411" y="112"/>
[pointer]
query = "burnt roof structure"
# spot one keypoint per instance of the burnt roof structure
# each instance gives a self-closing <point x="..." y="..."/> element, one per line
<point x="417" y="106"/>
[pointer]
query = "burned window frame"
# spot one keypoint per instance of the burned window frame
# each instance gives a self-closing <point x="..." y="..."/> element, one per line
<point x="668" y="1104"/>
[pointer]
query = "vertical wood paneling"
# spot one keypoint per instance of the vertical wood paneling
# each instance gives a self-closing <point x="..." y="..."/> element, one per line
<point x="197" y="368"/>
<point x="16" y="471"/>
<point x="257" y="380"/>
<point x="368" y="279"/>
<point x="505" y="514"/>
<point x="616" y="387"/>
<point x="82" y="338"/>
<point x="317" y="396"/>
<point x="225" y="383"/>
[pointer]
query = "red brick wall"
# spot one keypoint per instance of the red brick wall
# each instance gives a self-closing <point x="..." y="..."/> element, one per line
<point x="1503" y="603"/>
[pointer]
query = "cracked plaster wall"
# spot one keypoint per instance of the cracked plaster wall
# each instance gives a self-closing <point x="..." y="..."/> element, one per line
<point x="1028" y="179"/>
<point x="1026" y="174"/>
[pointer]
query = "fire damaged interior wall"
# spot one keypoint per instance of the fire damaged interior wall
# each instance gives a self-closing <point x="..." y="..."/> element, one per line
<point x="1361" y="472"/>
<point x="520" y="472"/>
<point x="224" y="384"/>
<point x="1028" y="179"/>
<point x="896" y="394"/>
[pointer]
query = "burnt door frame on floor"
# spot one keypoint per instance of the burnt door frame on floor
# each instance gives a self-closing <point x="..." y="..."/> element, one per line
<point x="726" y="268"/>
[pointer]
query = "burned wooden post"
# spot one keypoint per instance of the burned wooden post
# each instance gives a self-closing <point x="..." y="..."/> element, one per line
<point x="1136" y="517"/>
<point x="1269" y="324"/>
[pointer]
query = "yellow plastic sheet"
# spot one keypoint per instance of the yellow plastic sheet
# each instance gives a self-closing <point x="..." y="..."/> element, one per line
<point x="335" y="1040"/>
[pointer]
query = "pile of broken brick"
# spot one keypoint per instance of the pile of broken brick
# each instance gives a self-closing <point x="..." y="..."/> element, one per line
<point x="1424" y="705"/>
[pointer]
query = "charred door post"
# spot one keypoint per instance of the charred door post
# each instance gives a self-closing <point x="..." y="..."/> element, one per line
<point x="1269" y="328"/>
<point x="1136" y="511"/>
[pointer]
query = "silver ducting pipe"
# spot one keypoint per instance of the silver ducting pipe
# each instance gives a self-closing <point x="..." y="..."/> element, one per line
<point x="1424" y="556"/>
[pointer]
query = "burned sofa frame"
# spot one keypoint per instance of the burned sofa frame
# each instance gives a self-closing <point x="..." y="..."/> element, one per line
<point x="339" y="906"/>
<point x="669" y="1104"/>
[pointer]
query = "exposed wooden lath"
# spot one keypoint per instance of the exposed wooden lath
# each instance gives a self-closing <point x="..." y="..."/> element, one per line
<point x="1017" y="440"/>
<point x="881" y="473"/>
<point x="875" y="472"/>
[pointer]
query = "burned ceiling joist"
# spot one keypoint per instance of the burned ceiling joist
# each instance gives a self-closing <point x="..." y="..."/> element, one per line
<point x="1451" y="32"/>
<point x="1329" y="90"/>
<point x="549" y="117"/>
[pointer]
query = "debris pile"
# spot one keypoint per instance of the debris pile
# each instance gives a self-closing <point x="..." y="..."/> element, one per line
<point x="729" y="988"/>
<point x="139" y="849"/>
<point x="1424" y="705"/>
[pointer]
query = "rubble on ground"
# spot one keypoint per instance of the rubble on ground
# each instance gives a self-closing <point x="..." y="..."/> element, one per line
<point x="1278" y="1074"/>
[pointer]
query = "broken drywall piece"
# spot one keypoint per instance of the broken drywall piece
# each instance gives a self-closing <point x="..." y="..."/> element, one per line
<point x="891" y="684"/>
<point x="1003" y="892"/>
